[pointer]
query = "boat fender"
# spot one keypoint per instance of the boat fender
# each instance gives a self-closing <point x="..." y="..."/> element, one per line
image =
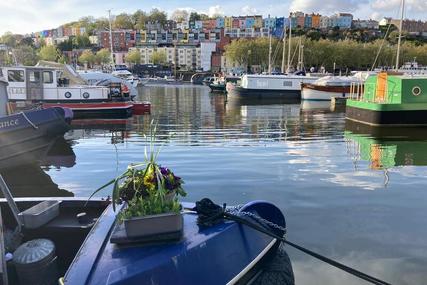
<point x="86" y="95"/>
<point x="277" y="271"/>
<point x="67" y="94"/>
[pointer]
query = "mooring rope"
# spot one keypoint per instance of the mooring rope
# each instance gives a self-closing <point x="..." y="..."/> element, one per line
<point x="29" y="121"/>
<point x="210" y="214"/>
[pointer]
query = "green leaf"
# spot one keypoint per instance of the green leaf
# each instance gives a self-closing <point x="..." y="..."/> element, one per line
<point x="100" y="188"/>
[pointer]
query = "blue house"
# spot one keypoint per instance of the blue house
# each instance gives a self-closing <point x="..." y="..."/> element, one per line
<point x="308" y="21"/>
<point x="269" y="23"/>
<point x="249" y="22"/>
<point x="220" y="23"/>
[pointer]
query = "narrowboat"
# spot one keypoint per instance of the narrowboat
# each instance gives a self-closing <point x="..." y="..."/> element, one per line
<point x="269" y="86"/>
<point x="389" y="99"/>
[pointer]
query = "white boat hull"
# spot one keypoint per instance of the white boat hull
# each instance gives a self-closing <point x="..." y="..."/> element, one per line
<point x="320" y="95"/>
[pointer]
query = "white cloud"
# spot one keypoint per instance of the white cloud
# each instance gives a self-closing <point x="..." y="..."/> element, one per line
<point x="326" y="6"/>
<point x="248" y="10"/>
<point x="376" y="16"/>
<point x="215" y="10"/>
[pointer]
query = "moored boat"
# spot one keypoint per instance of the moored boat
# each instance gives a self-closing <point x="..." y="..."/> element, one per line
<point x="81" y="234"/>
<point x="390" y="99"/>
<point x="327" y="87"/>
<point x="29" y="131"/>
<point x="33" y="85"/>
<point x="96" y="110"/>
<point x="270" y="86"/>
<point x="220" y="83"/>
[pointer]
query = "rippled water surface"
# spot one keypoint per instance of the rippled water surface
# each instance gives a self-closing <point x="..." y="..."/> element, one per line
<point x="360" y="199"/>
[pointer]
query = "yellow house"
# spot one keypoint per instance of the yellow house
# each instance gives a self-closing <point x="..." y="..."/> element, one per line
<point x="228" y="22"/>
<point x="185" y="36"/>
<point x="143" y="36"/>
<point x="258" y="21"/>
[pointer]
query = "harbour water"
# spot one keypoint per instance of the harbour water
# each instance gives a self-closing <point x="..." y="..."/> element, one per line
<point x="355" y="198"/>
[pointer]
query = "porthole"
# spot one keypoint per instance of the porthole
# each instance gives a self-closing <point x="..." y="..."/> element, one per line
<point x="86" y="95"/>
<point x="416" y="90"/>
<point x="67" y="94"/>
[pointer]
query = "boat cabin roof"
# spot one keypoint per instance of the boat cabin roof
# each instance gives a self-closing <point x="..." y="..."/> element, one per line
<point x="28" y="67"/>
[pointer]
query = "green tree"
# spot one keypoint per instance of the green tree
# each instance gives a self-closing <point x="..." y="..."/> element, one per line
<point x="87" y="58"/>
<point x="8" y="39"/>
<point x="139" y="18"/>
<point x="88" y="23"/>
<point x="158" y="16"/>
<point x="179" y="15"/>
<point x="28" y="41"/>
<point x="102" y="24"/>
<point x="25" y="55"/>
<point x="123" y="21"/>
<point x="159" y="57"/>
<point x="49" y="53"/>
<point x="66" y="45"/>
<point x="194" y="16"/>
<point x="103" y="56"/>
<point x="133" y="57"/>
<point x="81" y="41"/>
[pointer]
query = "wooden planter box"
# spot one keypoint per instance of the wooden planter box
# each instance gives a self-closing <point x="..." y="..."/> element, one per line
<point x="154" y="225"/>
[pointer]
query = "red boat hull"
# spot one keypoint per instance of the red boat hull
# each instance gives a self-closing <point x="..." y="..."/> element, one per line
<point x="97" y="110"/>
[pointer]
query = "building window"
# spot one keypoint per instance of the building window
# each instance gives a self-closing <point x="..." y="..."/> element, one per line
<point x="15" y="76"/>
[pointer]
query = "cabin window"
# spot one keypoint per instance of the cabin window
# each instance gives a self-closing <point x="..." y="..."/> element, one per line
<point x="287" y="83"/>
<point x="416" y="90"/>
<point x="34" y="76"/>
<point x="15" y="76"/>
<point x="47" y="77"/>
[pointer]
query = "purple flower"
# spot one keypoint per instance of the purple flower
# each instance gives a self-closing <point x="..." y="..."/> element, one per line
<point x="164" y="170"/>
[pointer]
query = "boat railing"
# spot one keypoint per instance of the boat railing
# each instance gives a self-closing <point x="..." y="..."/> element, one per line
<point x="356" y="91"/>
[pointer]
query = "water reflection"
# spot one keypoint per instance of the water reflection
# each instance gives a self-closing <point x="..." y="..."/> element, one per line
<point x="385" y="148"/>
<point x="27" y="177"/>
<point x="295" y="155"/>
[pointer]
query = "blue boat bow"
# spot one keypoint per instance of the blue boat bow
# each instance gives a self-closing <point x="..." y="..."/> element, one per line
<point x="226" y="253"/>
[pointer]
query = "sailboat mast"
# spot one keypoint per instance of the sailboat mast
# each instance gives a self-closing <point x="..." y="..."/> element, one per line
<point x="269" y="53"/>
<point x="402" y="8"/>
<point x="111" y="37"/>
<point x="284" y="50"/>
<point x="289" y="45"/>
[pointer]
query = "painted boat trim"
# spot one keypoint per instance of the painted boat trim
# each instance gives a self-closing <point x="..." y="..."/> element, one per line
<point x="252" y="263"/>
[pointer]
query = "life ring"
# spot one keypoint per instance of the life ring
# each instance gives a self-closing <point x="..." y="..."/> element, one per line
<point x="416" y="90"/>
<point x="86" y="95"/>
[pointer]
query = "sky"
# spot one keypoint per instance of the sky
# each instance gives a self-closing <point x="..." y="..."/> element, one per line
<point x="25" y="16"/>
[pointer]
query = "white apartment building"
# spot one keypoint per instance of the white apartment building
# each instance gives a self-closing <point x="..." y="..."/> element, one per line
<point x="187" y="57"/>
